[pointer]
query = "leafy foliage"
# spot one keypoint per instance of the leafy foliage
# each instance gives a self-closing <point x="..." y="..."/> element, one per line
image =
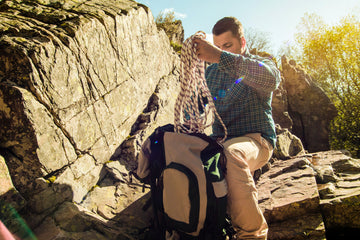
<point x="167" y="22"/>
<point x="176" y="47"/>
<point x="330" y="54"/>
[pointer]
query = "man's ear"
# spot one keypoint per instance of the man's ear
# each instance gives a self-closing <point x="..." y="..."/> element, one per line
<point x="243" y="44"/>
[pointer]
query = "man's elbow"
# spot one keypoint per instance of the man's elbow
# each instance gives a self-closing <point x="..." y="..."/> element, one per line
<point x="274" y="79"/>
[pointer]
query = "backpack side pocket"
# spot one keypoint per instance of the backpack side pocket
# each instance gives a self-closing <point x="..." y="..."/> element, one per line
<point x="181" y="198"/>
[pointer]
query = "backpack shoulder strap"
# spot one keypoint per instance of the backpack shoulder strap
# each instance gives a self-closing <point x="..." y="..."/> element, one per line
<point x="157" y="155"/>
<point x="151" y="159"/>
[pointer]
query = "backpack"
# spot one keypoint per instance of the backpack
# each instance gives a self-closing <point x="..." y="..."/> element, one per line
<point x="188" y="188"/>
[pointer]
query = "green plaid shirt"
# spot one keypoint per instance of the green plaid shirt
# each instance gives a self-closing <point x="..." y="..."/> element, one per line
<point x="242" y="86"/>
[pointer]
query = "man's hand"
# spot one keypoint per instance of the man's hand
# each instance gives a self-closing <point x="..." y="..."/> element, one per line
<point x="206" y="51"/>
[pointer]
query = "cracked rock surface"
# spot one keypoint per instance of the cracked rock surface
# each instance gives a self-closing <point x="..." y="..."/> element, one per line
<point x="75" y="79"/>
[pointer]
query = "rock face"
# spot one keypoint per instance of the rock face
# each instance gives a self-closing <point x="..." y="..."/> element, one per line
<point x="308" y="106"/>
<point x="70" y="75"/>
<point x="78" y="79"/>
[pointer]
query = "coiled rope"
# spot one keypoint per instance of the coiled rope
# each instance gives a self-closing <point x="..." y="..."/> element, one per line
<point x="189" y="104"/>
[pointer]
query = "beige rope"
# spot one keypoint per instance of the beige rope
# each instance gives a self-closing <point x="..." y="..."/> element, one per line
<point x="193" y="89"/>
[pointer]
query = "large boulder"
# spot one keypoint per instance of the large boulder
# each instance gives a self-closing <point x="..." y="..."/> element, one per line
<point x="78" y="79"/>
<point x="312" y="196"/>
<point x="287" y="144"/>
<point x="289" y="198"/>
<point x="338" y="177"/>
<point x="308" y="107"/>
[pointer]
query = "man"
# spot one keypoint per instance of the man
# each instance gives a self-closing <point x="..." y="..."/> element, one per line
<point x="241" y="85"/>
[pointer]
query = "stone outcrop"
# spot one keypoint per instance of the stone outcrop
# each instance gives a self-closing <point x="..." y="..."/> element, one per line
<point x="299" y="104"/>
<point x="78" y="79"/>
<point x="313" y="196"/>
<point x="338" y="178"/>
<point x="287" y="144"/>
<point x="308" y="106"/>
<point x="289" y="199"/>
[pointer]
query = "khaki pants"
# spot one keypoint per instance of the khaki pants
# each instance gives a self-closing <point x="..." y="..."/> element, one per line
<point x="244" y="155"/>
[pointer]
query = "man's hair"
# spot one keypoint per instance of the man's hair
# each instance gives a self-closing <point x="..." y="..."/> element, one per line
<point x="229" y="24"/>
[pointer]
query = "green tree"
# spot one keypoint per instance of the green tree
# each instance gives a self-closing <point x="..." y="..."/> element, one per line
<point x="166" y="20"/>
<point x="330" y="54"/>
<point x="171" y="26"/>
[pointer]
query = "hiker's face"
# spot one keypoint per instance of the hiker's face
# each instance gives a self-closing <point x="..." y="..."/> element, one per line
<point x="230" y="43"/>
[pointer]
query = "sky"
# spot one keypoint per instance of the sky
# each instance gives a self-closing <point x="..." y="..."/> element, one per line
<point x="278" y="19"/>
